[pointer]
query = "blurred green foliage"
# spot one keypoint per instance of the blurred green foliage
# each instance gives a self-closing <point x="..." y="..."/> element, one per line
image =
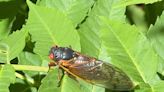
<point x="126" y="33"/>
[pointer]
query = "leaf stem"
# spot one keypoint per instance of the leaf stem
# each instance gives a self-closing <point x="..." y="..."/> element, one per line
<point x="29" y="68"/>
<point x="29" y="79"/>
<point x="20" y="76"/>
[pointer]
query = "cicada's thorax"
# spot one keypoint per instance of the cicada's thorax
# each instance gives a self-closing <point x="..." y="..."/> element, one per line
<point x="61" y="53"/>
<point x="81" y="60"/>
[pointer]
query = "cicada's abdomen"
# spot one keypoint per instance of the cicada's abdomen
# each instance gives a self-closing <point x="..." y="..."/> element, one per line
<point x="116" y="79"/>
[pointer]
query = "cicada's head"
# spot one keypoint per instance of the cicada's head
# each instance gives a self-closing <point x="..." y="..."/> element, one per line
<point x="61" y="53"/>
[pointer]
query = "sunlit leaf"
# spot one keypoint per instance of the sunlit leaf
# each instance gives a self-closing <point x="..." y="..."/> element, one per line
<point x="130" y="50"/>
<point x="158" y="86"/>
<point x="4" y="28"/>
<point x="50" y="82"/>
<point x="12" y="46"/>
<point x="156" y="36"/>
<point x="50" y="27"/>
<point x="26" y="58"/>
<point x="86" y="87"/>
<point x="70" y="85"/>
<point x="7" y="76"/>
<point x="76" y="10"/>
<point x="131" y="2"/>
<point x="89" y="30"/>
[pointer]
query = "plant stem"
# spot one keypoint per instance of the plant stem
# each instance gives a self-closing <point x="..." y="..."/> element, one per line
<point x="30" y="68"/>
<point x="20" y="76"/>
<point x="29" y="79"/>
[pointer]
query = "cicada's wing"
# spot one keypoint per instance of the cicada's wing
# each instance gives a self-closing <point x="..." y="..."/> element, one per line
<point x="103" y="74"/>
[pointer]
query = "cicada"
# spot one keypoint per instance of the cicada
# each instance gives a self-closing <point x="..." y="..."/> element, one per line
<point x="91" y="69"/>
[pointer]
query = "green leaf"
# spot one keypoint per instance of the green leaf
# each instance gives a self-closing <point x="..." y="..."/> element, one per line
<point x="9" y="8"/>
<point x="158" y="86"/>
<point x="27" y="58"/>
<point x="22" y="86"/>
<point x="7" y="76"/>
<point x="5" y="0"/>
<point x="156" y="36"/>
<point x="86" y="87"/>
<point x="130" y="50"/>
<point x="76" y="10"/>
<point x="132" y="2"/>
<point x="137" y="15"/>
<point x="4" y="28"/>
<point x="89" y="30"/>
<point x="50" y="27"/>
<point x="12" y="46"/>
<point x="70" y="85"/>
<point x="50" y="82"/>
<point x="161" y="66"/>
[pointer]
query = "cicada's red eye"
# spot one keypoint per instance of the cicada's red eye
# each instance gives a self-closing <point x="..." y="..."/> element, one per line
<point x="51" y="56"/>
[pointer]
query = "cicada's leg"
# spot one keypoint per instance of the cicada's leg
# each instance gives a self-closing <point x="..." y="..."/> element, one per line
<point x="52" y="63"/>
<point x="70" y="46"/>
<point x="60" y="76"/>
<point x="71" y="76"/>
<point x="65" y="63"/>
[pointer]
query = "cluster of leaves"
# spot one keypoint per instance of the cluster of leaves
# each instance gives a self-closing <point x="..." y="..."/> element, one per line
<point x="127" y="33"/>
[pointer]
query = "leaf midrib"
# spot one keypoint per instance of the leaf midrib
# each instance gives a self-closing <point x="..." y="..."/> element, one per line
<point x="128" y="52"/>
<point x="42" y="21"/>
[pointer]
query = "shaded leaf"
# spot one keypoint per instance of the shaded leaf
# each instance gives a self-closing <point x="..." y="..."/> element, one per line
<point x="161" y="66"/>
<point x="22" y="86"/>
<point x="137" y="15"/>
<point x="12" y="46"/>
<point x="50" y="27"/>
<point x="152" y="11"/>
<point x="7" y="76"/>
<point x="5" y="0"/>
<point x="9" y="8"/>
